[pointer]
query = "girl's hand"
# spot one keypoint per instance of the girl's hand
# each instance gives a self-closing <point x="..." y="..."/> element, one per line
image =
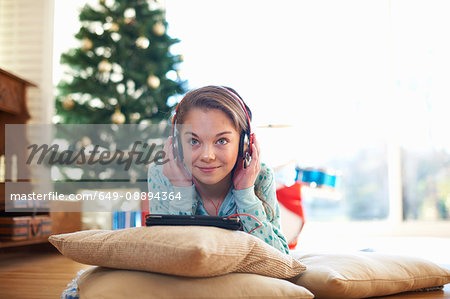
<point x="174" y="169"/>
<point x="245" y="177"/>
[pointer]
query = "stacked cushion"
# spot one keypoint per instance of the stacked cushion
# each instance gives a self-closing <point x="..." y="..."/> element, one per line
<point x="99" y="282"/>
<point x="193" y="251"/>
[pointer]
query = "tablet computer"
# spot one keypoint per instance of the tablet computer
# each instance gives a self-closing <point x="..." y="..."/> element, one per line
<point x="232" y="223"/>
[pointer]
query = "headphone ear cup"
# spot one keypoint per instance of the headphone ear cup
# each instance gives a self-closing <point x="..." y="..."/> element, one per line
<point x="249" y="143"/>
<point x="241" y="144"/>
<point x="244" y="143"/>
<point x="179" y="148"/>
<point x="174" y="147"/>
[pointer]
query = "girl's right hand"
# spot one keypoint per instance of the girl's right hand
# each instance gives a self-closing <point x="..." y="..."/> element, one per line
<point x="174" y="169"/>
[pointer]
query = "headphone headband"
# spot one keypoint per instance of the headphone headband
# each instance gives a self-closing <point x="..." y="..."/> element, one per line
<point x="237" y="98"/>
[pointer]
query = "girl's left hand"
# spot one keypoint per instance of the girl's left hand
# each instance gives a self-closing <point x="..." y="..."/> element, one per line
<point x="245" y="177"/>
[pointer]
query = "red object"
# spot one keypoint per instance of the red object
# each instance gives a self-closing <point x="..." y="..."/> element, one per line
<point x="144" y="210"/>
<point x="290" y="197"/>
<point x="143" y="214"/>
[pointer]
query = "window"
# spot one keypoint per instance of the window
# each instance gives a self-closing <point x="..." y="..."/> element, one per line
<point x="361" y="82"/>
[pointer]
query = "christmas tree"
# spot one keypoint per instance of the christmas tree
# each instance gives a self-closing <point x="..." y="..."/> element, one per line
<point x="123" y="72"/>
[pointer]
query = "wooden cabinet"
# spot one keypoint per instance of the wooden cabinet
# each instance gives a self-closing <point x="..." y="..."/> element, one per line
<point x="22" y="228"/>
<point x="13" y="110"/>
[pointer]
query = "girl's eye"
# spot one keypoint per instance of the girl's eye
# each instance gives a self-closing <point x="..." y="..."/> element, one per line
<point x="193" y="141"/>
<point x="222" y="141"/>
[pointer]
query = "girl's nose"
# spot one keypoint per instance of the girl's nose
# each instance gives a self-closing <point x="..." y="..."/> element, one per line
<point x="208" y="153"/>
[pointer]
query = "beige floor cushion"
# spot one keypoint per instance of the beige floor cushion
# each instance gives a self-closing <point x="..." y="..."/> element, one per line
<point x="367" y="274"/>
<point x="192" y="251"/>
<point x="100" y="282"/>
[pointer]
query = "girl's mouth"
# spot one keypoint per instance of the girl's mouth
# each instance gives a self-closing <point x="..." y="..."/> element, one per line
<point x="208" y="169"/>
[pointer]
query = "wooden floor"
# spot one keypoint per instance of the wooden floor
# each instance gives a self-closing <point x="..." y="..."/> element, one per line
<point x="35" y="271"/>
<point x="40" y="271"/>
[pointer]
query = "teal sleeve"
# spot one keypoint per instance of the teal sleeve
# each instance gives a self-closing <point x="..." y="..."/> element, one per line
<point x="179" y="200"/>
<point x="248" y="202"/>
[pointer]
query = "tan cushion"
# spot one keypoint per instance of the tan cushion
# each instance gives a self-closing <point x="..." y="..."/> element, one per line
<point x="367" y="274"/>
<point x="180" y="250"/>
<point x="99" y="282"/>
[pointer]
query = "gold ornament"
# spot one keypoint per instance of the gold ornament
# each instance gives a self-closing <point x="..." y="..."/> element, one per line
<point x="68" y="103"/>
<point x="153" y="81"/>
<point x="118" y="117"/>
<point x="114" y="27"/>
<point x="135" y="116"/>
<point x="85" y="141"/>
<point x="159" y="29"/>
<point x="181" y="57"/>
<point x="104" y="66"/>
<point x="142" y="42"/>
<point x="86" y="44"/>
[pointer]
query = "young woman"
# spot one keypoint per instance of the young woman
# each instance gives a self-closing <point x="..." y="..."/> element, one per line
<point x="207" y="168"/>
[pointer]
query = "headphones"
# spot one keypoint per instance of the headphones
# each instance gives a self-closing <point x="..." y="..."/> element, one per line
<point x="245" y="138"/>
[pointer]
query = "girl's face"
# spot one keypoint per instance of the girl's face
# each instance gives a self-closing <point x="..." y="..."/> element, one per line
<point x="210" y="144"/>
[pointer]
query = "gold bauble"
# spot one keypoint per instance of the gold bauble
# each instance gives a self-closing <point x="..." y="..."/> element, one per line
<point x="129" y="21"/>
<point x="118" y="117"/>
<point x="153" y="81"/>
<point x="85" y="141"/>
<point x="135" y="116"/>
<point x="86" y="44"/>
<point x="142" y="42"/>
<point x="68" y="103"/>
<point x="104" y="66"/>
<point x="159" y="29"/>
<point x="114" y="27"/>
